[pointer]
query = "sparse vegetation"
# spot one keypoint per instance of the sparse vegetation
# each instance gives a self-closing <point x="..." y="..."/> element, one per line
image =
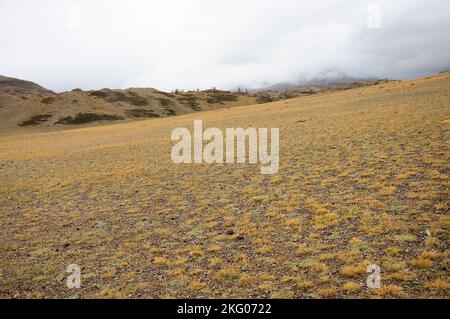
<point x="190" y="101"/>
<point x="165" y="102"/>
<point x="141" y="113"/>
<point x="83" y="118"/>
<point x="219" y="97"/>
<point x="119" y="96"/>
<point x="363" y="180"/>
<point x="36" y="120"/>
<point x="48" y="100"/>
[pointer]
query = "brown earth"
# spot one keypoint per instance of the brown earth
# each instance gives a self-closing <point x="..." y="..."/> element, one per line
<point x="363" y="179"/>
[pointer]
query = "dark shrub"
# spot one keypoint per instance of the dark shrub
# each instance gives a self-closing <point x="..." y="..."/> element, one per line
<point x="190" y="101"/>
<point x="170" y="112"/>
<point x="36" y="120"/>
<point x="221" y="97"/>
<point x="165" y="102"/>
<point x="141" y="113"/>
<point x="82" y="118"/>
<point x="48" y="100"/>
<point x="118" y="96"/>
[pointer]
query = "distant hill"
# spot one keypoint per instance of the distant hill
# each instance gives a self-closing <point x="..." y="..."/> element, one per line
<point x="20" y="87"/>
<point x="27" y="104"/>
<point x="363" y="178"/>
<point x="328" y="79"/>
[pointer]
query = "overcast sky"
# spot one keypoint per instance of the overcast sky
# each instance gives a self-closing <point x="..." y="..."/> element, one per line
<point x="189" y="44"/>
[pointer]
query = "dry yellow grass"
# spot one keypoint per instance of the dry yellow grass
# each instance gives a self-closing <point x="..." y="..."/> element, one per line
<point x="363" y="179"/>
<point x="351" y="287"/>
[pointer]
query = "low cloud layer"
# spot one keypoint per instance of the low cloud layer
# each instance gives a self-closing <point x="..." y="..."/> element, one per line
<point x="201" y="43"/>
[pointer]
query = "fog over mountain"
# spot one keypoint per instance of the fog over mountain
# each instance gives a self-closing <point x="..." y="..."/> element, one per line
<point x="198" y="44"/>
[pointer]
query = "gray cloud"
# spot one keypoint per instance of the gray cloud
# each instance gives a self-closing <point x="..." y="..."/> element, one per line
<point x="200" y="43"/>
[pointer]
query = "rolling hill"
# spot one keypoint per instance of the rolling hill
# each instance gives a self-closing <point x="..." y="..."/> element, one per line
<point x="24" y="104"/>
<point x="363" y="180"/>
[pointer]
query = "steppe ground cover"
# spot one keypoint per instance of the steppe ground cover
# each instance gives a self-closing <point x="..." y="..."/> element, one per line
<point x="363" y="179"/>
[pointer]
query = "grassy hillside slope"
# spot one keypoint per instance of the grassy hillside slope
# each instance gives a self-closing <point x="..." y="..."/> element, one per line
<point x="363" y="179"/>
<point x="26" y="105"/>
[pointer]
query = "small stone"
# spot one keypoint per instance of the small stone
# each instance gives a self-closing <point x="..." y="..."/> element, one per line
<point x="230" y="232"/>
